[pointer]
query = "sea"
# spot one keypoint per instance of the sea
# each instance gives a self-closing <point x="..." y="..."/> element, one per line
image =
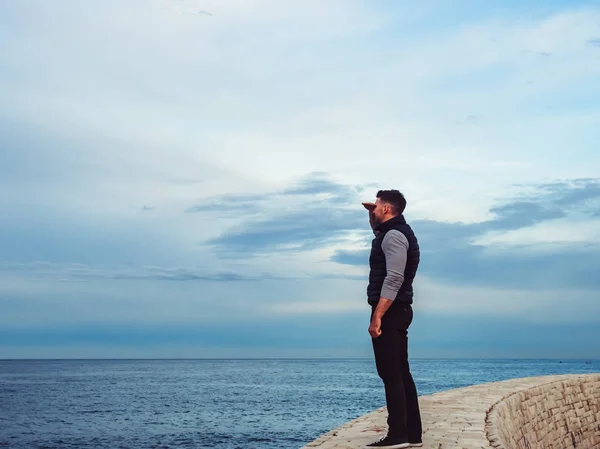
<point x="221" y="404"/>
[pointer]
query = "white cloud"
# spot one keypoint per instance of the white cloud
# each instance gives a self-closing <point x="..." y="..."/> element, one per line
<point x="108" y="108"/>
<point x="549" y="306"/>
<point x="67" y="301"/>
<point x="548" y="235"/>
<point x="250" y="90"/>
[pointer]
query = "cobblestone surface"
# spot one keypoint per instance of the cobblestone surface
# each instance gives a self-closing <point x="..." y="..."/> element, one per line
<point x="456" y="419"/>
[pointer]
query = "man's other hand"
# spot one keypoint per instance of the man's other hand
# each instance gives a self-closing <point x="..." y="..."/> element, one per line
<point x="375" y="327"/>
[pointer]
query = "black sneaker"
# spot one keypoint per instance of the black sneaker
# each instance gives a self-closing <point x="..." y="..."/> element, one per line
<point x="389" y="442"/>
<point x="415" y="444"/>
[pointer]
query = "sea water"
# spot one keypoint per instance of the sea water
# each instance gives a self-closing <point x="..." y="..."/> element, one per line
<point x="221" y="404"/>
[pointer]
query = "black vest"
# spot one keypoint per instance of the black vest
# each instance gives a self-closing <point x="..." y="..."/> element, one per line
<point x="378" y="266"/>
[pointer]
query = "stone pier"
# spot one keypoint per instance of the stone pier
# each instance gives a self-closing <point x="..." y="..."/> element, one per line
<point x="547" y="412"/>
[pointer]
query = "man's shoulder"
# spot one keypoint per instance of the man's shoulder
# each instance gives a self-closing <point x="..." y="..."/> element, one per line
<point x="394" y="237"/>
<point x="406" y="230"/>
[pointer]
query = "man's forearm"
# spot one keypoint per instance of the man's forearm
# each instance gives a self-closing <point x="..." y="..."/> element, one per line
<point x="373" y="223"/>
<point x="382" y="306"/>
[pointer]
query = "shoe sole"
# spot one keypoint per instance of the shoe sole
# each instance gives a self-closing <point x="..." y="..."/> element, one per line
<point x="416" y="445"/>
<point x="393" y="446"/>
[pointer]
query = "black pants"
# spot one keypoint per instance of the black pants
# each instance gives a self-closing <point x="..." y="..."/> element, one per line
<point x="391" y="359"/>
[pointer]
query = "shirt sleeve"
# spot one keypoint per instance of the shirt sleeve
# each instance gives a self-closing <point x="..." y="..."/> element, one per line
<point x="395" y="249"/>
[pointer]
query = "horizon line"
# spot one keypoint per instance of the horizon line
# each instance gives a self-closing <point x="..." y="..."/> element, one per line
<point x="299" y="358"/>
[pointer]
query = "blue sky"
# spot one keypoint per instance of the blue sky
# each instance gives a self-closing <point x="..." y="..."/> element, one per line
<point x="184" y="178"/>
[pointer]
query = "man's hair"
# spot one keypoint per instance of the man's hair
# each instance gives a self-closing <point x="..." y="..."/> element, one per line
<point x="394" y="198"/>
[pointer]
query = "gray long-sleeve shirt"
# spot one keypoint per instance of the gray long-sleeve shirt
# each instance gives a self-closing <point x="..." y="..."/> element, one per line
<point x="395" y="249"/>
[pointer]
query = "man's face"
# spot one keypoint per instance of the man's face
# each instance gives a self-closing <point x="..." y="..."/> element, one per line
<point x="380" y="211"/>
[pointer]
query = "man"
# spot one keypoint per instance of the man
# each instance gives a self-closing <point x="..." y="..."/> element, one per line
<point x="393" y="265"/>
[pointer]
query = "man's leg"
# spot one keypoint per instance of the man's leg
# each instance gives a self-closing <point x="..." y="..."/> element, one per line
<point x="389" y="369"/>
<point x="413" y="415"/>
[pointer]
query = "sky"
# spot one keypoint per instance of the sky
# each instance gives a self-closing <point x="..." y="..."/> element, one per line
<point x="184" y="178"/>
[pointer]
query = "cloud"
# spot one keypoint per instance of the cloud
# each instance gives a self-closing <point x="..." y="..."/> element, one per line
<point x="314" y="186"/>
<point x="521" y="214"/>
<point x="319" y="184"/>
<point x="234" y="203"/>
<point x="303" y="110"/>
<point x="150" y="273"/>
<point x="570" y="192"/>
<point x="296" y="230"/>
<point x="79" y="271"/>
<point x="253" y="135"/>
<point x="351" y="257"/>
<point x="479" y="254"/>
<point x="313" y="212"/>
<point x="317" y="219"/>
